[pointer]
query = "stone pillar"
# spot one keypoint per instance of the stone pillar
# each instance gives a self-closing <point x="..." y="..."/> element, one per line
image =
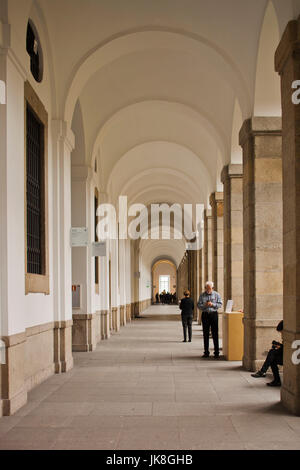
<point x="208" y="275"/>
<point x="232" y="178"/>
<point x="182" y="276"/>
<point x="115" y="288"/>
<point x="63" y="144"/>
<point x="122" y="281"/>
<point x="128" y="279"/>
<point x="12" y="261"/>
<point x="104" y="280"/>
<point x="260" y="138"/>
<point x="84" y="337"/>
<point x="217" y="205"/>
<point x="287" y="63"/>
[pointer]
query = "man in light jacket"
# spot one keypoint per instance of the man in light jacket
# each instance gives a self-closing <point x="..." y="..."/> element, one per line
<point x="209" y="302"/>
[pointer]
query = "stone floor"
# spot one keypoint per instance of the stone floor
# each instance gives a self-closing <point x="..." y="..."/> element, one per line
<point x="145" y="389"/>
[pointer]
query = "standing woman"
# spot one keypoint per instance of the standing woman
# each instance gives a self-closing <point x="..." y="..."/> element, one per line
<point x="187" y="308"/>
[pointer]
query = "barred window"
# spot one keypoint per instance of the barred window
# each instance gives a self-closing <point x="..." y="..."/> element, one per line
<point x="96" y="239"/>
<point x="34" y="190"/>
<point x="36" y="194"/>
<point x="34" y="50"/>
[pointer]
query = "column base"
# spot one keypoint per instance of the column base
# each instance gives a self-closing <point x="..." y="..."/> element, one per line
<point x="128" y="313"/>
<point x="11" y="405"/>
<point x="290" y="401"/>
<point x="84" y="332"/>
<point x="63" y="346"/>
<point x="30" y="358"/>
<point x="105" y="330"/>
<point x="115" y="319"/>
<point x="122" y="315"/>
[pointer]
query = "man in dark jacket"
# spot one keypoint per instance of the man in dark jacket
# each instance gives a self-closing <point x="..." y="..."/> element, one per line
<point x="187" y="307"/>
<point x="274" y="358"/>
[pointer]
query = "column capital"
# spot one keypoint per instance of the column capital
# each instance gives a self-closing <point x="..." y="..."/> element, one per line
<point x="63" y="133"/>
<point x="288" y="46"/>
<point x="233" y="170"/>
<point x="256" y="126"/>
<point x="216" y="198"/>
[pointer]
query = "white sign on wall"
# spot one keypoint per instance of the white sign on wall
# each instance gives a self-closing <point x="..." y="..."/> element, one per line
<point x="99" y="249"/>
<point x="79" y="236"/>
<point x="2" y="92"/>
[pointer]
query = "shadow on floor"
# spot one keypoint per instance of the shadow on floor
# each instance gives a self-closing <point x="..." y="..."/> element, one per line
<point x="163" y="317"/>
<point x="276" y="408"/>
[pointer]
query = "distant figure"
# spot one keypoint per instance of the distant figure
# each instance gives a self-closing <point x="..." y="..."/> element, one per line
<point x="157" y="298"/>
<point x="209" y="302"/>
<point x="187" y="308"/>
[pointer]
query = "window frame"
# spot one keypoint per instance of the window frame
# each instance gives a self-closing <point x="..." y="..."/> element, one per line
<point x="96" y="220"/>
<point x="169" y="281"/>
<point x="37" y="283"/>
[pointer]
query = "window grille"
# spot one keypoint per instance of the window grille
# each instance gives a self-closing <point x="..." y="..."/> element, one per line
<point x="34" y="180"/>
<point x="33" y="49"/>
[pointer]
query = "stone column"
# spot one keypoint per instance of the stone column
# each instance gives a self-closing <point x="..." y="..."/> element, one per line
<point x="217" y="205"/>
<point x="84" y="337"/>
<point x="63" y="144"/>
<point x="232" y="178"/>
<point x="207" y="246"/>
<point x="287" y="63"/>
<point x="115" y="291"/>
<point x="104" y="280"/>
<point x="260" y="138"/>
<point x="122" y="281"/>
<point x="128" y="279"/>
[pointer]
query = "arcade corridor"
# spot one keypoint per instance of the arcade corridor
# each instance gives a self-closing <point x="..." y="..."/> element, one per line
<point x="144" y="389"/>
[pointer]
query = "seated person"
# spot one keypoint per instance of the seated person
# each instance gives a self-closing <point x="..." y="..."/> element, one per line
<point x="274" y="358"/>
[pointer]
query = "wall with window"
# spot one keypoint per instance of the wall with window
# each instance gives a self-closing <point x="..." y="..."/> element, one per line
<point x="164" y="269"/>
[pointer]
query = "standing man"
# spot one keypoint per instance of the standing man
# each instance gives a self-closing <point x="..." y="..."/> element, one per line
<point x="187" y="307"/>
<point x="209" y="302"/>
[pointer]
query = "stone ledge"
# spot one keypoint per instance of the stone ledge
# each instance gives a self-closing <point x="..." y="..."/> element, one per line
<point x="84" y="316"/>
<point x="234" y="170"/>
<point x="260" y="126"/>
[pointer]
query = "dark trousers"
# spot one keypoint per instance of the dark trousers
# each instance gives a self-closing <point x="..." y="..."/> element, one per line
<point x="210" y="320"/>
<point x="187" y="322"/>
<point x="274" y="358"/>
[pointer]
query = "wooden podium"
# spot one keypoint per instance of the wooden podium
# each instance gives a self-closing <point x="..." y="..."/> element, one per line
<point x="233" y="336"/>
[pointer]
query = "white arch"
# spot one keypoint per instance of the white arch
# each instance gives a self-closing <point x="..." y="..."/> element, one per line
<point x="206" y="121"/>
<point x="237" y="121"/>
<point x="267" y="98"/>
<point x="139" y="40"/>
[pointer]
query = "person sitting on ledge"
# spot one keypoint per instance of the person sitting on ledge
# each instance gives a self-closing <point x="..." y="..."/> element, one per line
<point x="274" y="358"/>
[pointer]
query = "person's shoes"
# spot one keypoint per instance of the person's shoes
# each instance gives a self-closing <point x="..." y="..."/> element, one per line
<point x="205" y="355"/>
<point x="190" y="340"/>
<point x="274" y="383"/>
<point x="217" y="356"/>
<point x="184" y="340"/>
<point x="258" y="374"/>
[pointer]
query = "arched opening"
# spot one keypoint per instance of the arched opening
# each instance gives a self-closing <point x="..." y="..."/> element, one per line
<point x="267" y="100"/>
<point x="34" y="50"/>
<point x="164" y="282"/>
